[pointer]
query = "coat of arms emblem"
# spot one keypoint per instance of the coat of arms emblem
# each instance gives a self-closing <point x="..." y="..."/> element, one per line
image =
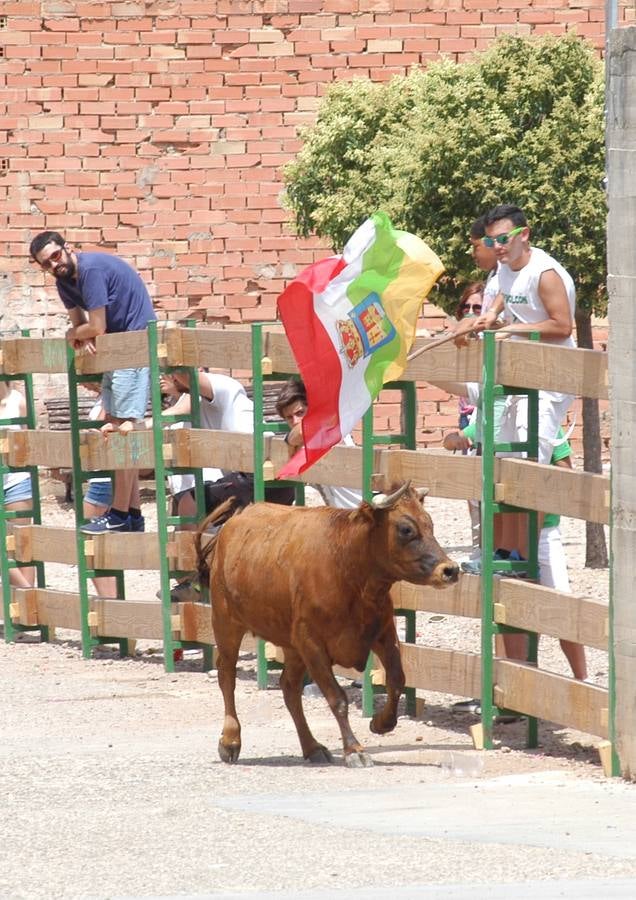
<point x="365" y="330"/>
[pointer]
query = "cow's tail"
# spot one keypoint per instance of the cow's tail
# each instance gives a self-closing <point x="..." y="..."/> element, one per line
<point x="213" y="522"/>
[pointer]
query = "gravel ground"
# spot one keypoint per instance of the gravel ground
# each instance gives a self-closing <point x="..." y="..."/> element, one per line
<point x="112" y="787"/>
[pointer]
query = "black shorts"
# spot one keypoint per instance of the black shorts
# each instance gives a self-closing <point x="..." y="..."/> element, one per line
<point x="240" y="485"/>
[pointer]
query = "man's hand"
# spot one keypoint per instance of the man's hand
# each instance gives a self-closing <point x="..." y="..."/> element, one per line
<point x="455" y="440"/>
<point x="295" y="438"/>
<point x="485" y="322"/>
<point x="80" y="346"/>
<point x="124" y="428"/>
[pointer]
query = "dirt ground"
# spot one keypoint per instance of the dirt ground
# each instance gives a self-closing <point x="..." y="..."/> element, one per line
<point x="109" y="766"/>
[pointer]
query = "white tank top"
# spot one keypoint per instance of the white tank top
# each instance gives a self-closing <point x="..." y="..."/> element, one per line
<point x="10" y="409"/>
<point x="520" y="291"/>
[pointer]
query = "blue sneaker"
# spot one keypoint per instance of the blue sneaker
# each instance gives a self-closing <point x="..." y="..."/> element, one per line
<point x="103" y="524"/>
<point x="137" y="523"/>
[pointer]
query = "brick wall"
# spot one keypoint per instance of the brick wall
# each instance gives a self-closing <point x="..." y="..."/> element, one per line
<point x="157" y="129"/>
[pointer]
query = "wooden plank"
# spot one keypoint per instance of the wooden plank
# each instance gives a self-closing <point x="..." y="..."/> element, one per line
<point x="342" y="466"/>
<point x="127" y="350"/>
<point x="58" y="609"/>
<point x="551" y="697"/>
<point x="461" y="599"/>
<point x="196" y="622"/>
<point x="580" y="495"/>
<point x="196" y="626"/>
<point x="277" y="654"/>
<point x="435" y="669"/>
<point x="21" y="355"/>
<point x="128" y="619"/>
<point x="131" y="451"/>
<point x="458" y="477"/>
<point x="545" y="611"/>
<point x="230" y="348"/>
<point x="46" y="543"/>
<point x="25" y="601"/>
<point x="125" y="551"/>
<point x="39" y="448"/>
<point x="447" y="363"/>
<point x="532" y="364"/>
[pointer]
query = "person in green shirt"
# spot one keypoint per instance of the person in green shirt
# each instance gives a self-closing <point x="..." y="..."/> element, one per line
<point x="553" y="570"/>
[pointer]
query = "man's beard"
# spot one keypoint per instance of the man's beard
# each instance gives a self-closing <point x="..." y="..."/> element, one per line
<point x="70" y="269"/>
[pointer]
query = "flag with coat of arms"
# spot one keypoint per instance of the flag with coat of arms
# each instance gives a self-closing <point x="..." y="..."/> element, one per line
<point x="350" y="321"/>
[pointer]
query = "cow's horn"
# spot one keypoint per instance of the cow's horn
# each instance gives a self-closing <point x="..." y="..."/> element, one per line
<point x="422" y="492"/>
<point x="386" y="501"/>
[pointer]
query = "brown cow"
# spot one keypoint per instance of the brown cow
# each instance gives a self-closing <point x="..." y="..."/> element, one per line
<point x="316" y="582"/>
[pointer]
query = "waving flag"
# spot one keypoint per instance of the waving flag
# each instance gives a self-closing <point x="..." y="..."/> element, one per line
<point x="350" y="321"/>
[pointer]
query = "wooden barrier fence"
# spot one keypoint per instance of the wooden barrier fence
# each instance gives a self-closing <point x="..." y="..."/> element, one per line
<point x="519" y="482"/>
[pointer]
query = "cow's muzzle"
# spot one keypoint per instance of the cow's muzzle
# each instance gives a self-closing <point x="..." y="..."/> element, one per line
<point x="446" y="572"/>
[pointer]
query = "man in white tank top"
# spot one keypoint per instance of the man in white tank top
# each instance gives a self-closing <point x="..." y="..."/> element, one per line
<point x="536" y="294"/>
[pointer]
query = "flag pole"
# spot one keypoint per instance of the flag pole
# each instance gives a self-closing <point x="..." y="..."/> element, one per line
<point x="436" y="343"/>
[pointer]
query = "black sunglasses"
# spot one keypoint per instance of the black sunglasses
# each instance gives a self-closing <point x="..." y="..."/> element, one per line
<point x="474" y="307"/>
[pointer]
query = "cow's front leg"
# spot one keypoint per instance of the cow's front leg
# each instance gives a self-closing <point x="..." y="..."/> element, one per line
<point x="319" y="667"/>
<point x="387" y="649"/>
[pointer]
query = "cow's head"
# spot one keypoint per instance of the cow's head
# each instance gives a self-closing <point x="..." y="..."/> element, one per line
<point x="410" y="551"/>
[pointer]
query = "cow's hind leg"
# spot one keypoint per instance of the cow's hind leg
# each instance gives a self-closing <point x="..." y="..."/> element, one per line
<point x="319" y="667"/>
<point x="291" y="682"/>
<point x="387" y="649"/>
<point x="228" y="638"/>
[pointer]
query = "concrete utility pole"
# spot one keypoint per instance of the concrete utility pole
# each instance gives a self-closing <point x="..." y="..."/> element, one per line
<point x="621" y="258"/>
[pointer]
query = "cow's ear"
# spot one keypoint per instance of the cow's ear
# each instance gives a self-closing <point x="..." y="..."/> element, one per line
<point x="364" y="513"/>
<point x="421" y="493"/>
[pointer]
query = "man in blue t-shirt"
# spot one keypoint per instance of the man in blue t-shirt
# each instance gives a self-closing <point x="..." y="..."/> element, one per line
<point x="104" y="295"/>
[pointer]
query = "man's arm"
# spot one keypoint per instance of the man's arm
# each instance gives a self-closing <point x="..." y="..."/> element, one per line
<point x="555" y="301"/>
<point x="205" y="386"/>
<point x="87" y="327"/>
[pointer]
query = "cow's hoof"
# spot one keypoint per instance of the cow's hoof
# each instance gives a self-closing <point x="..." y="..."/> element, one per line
<point x="377" y="726"/>
<point x="229" y="754"/>
<point x="319" y="756"/>
<point x="358" y="760"/>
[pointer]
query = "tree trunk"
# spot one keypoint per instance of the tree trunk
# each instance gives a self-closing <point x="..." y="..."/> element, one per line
<point x="595" y="546"/>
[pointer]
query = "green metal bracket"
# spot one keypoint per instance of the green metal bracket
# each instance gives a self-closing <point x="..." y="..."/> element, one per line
<point x="408" y="439"/>
<point x="490" y="567"/>
<point x="84" y="572"/>
<point x="164" y="520"/>
<point x="260" y="374"/>
<point x="11" y="628"/>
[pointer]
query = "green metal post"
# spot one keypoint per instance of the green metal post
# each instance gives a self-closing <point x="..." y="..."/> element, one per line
<point x="261" y="427"/>
<point x="35" y="513"/>
<point x="487" y="524"/>
<point x="370" y="440"/>
<point x="164" y="520"/>
<point x="169" y="643"/>
<point x="88" y="641"/>
<point x="36" y="504"/>
<point x="532" y="738"/>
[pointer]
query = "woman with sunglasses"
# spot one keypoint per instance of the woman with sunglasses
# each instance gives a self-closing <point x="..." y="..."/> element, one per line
<point x="469" y="307"/>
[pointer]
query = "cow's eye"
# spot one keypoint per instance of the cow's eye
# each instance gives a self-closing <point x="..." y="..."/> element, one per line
<point x="406" y="531"/>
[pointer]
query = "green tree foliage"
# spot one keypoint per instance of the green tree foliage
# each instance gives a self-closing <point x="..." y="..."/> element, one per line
<point x="522" y="123"/>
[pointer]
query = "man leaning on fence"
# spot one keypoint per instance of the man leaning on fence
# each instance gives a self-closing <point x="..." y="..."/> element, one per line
<point x="104" y="295"/>
<point x="535" y="294"/>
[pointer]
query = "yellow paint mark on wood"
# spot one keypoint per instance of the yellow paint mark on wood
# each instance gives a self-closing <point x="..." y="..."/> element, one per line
<point x="605" y="754"/>
<point x="477" y="735"/>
